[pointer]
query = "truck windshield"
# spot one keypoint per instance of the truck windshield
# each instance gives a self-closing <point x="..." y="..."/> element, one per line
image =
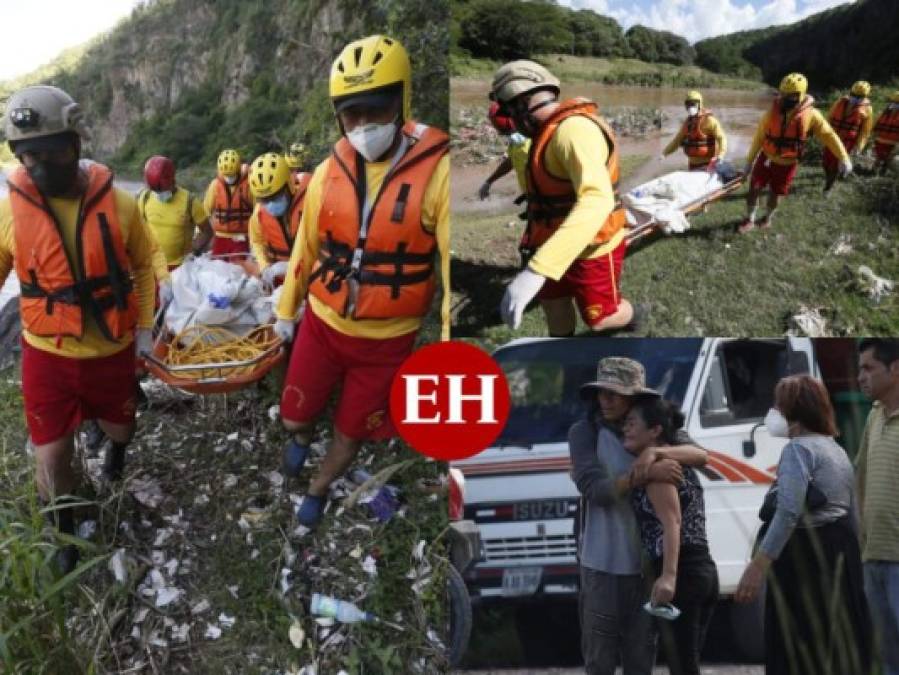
<point x="545" y="377"/>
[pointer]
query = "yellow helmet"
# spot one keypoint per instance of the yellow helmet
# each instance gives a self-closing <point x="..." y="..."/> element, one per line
<point x="694" y="95"/>
<point x="894" y="97"/>
<point x="860" y="88"/>
<point x="297" y="155"/>
<point x="268" y="174"/>
<point x="371" y="66"/>
<point x="794" y="83"/>
<point x="229" y="162"/>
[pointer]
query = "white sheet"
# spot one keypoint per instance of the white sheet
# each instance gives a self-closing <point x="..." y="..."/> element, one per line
<point x="663" y="198"/>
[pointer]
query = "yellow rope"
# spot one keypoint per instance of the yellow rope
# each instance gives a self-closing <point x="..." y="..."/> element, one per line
<point x="212" y="344"/>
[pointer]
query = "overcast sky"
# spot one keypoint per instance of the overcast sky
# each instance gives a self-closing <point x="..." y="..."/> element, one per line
<point x="34" y="31"/>
<point x="698" y="19"/>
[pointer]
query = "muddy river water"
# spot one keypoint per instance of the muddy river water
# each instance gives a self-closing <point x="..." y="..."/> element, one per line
<point x="737" y="110"/>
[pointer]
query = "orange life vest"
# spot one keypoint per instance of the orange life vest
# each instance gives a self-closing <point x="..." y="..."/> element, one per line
<point x="551" y="198"/>
<point x="56" y="289"/>
<point x="886" y="130"/>
<point x="697" y="144"/>
<point x="232" y="208"/>
<point x="847" y="120"/>
<point x="787" y="139"/>
<point x="279" y="233"/>
<point x="384" y="270"/>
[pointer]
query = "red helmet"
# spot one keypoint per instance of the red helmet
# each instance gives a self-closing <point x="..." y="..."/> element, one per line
<point x="502" y="123"/>
<point x="159" y="173"/>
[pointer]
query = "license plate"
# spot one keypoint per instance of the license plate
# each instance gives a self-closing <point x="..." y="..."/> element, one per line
<point x="521" y="580"/>
<point x="546" y="509"/>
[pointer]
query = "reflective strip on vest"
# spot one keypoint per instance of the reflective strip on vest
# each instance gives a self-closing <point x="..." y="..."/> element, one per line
<point x="57" y="288"/>
<point x="376" y="259"/>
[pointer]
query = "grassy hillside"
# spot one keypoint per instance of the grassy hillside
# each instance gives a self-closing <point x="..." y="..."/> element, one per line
<point x="712" y="281"/>
<point x="623" y="71"/>
<point x="187" y="78"/>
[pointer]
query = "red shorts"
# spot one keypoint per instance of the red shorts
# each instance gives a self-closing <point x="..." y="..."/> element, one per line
<point x="594" y="284"/>
<point x="60" y="392"/>
<point x="831" y="163"/>
<point x="883" y="150"/>
<point x="322" y="358"/>
<point x="227" y="245"/>
<point x="778" y="176"/>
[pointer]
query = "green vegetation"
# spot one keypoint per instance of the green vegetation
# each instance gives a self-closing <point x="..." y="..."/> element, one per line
<point x="212" y="460"/>
<point x="833" y="48"/>
<point x="511" y="29"/>
<point x="712" y="281"/>
<point x="188" y="79"/>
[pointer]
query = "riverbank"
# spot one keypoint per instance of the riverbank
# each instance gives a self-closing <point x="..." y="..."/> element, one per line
<point x="610" y="72"/>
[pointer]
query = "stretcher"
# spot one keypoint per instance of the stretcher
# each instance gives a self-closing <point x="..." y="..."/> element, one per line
<point x="216" y="376"/>
<point x="665" y="202"/>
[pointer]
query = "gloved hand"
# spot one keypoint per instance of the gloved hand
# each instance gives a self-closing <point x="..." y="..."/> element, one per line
<point x="845" y="168"/>
<point x="518" y="294"/>
<point x="484" y="190"/>
<point x="270" y="273"/>
<point x="284" y="329"/>
<point x="143" y="341"/>
<point x="166" y="292"/>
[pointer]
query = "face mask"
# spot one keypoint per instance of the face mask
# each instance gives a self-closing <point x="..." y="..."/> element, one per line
<point x="777" y="424"/>
<point x="164" y="195"/>
<point x="230" y="180"/>
<point x="54" y="179"/>
<point x="372" y="140"/>
<point x="693" y="110"/>
<point x="276" y="207"/>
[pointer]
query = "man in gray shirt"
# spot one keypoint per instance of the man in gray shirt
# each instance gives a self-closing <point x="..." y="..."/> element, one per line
<point x="612" y="590"/>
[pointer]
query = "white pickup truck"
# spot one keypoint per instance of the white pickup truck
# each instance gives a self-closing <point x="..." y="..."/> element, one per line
<point x="520" y="494"/>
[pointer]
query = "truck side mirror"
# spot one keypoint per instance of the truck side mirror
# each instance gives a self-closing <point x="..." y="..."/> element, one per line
<point x="749" y="448"/>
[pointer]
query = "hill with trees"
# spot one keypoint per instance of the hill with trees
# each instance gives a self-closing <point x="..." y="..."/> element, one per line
<point x="187" y="78"/>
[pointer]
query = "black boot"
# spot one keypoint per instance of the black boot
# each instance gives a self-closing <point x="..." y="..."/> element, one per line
<point x="114" y="461"/>
<point x="63" y="518"/>
<point x="93" y="435"/>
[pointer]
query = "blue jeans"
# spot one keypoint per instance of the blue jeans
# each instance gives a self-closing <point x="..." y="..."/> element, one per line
<point x="882" y="589"/>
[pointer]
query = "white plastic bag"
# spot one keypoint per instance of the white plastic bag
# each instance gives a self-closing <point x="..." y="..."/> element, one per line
<point x="216" y="293"/>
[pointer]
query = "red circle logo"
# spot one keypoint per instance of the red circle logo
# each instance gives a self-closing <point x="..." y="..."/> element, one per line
<point x="449" y="400"/>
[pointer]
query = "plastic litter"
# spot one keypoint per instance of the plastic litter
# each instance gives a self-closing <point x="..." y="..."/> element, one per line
<point x="341" y="610"/>
<point x="664" y="611"/>
<point x="382" y="504"/>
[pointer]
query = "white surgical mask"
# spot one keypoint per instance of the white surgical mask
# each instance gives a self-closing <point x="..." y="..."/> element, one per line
<point x="777" y="424"/>
<point x="164" y="195"/>
<point x="693" y="110"/>
<point x="372" y="140"/>
<point x="230" y="180"/>
<point x="276" y="207"/>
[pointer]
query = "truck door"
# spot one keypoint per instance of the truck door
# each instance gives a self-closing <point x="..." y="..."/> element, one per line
<point x="736" y="389"/>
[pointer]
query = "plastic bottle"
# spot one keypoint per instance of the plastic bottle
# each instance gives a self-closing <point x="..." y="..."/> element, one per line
<point x="341" y="610"/>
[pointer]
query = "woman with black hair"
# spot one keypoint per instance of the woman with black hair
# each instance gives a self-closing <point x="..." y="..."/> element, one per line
<point x="672" y="529"/>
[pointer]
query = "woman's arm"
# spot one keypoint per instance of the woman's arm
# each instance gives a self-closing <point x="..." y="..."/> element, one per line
<point x="793" y="475"/>
<point x="664" y="499"/>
